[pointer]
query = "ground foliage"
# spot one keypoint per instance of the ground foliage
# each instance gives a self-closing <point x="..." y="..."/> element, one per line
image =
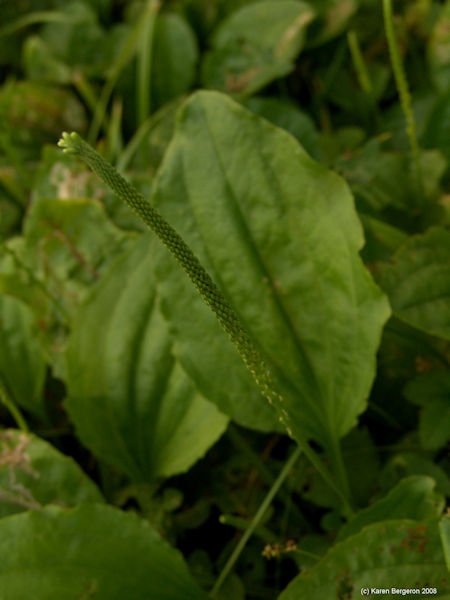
<point x="301" y="149"/>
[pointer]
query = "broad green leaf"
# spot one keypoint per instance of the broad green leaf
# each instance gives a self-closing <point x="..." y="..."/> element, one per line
<point x="255" y="45"/>
<point x="280" y="236"/>
<point x="201" y="346"/>
<point x="444" y="527"/>
<point x="418" y="282"/>
<point x="175" y="56"/>
<point x="91" y="551"/>
<point x="22" y="364"/>
<point x="431" y="391"/>
<point x="33" y="473"/>
<point x="130" y="400"/>
<point x="400" y="553"/>
<point x="412" y="498"/>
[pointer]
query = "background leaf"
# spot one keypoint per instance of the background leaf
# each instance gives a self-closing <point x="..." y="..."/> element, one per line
<point x="401" y="554"/>
<point x="418" y="282"/>
<point x="431" y="391"/>
<point x="359" y="451"/>
<point x="33" y="114"/>
<point x="412" y="498"/>
<point x="92" y="551"/>
<point x="287" y="116"/>
<point x="255" y="45"/>
<point x="437" y="128"/>
<point x="175" y="57"/>
<point x="333" y="16"/>
<point x="22" y="363"/>
<point x="130" y="400"/>
<point x="265" y="219"/>
<point x="67" y="245"/>
<point x="439" y="49"/>
<point x="33" y="473"/>
<point x="404" y="464"/>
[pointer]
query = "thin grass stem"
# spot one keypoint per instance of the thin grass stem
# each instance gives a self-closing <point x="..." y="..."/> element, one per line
<point x="255" y="521"/>
<point x="114" y="131"/>
<point x="121" y="62"/>
<point x="358" y="63"/>
<point x="144" y="59"/>
<point x="35" y="18"/>
<point x="260" y="531"/>
<point x="8" y="402"/>
<point x="341" y="474"/>
<point x="403" y="89"/>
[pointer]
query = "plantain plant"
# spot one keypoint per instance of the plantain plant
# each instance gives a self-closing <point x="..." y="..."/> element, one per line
<point x="227" y="334"/>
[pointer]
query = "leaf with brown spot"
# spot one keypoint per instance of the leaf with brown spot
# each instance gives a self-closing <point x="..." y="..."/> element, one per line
<point x="399" y="553"/>
<point x="33" y="474"/>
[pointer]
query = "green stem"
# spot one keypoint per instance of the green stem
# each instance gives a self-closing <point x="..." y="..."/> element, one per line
<point x="122" y="60"/>
<point x="267" y="477"/>
<point x="255" y="521"/>
<point x="35" y="18"/>
<point x="308" y="554"/>
<point x="240" y="443"/>
<point x="378" y="410"/>
<point x="342" y="489"/>
<point x="358" y="62"/>
<point x="259" y="531"/>
<point x="144" y="77"/>
<point x="13" y="409"/>
<point x="402" y="88"/>
<point x="114" y="131"/>
<point x="87" y="93"/>
<point x="341" y="474"/>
